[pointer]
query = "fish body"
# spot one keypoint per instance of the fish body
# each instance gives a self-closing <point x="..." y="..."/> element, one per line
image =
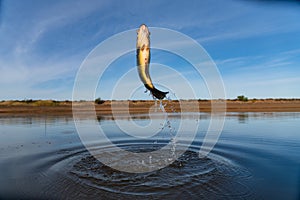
<point x="143" y="61"/>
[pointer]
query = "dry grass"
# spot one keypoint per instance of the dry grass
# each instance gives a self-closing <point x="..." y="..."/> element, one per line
<point x="51" y="107"/>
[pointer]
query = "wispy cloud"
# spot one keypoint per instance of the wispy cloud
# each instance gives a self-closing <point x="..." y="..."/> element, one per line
<point x="21" y="78"/>
<point x="43" y="44"/>
<point x="261" y="62"/>
<point x="27" y="64"/>
<point x="261" y="76"/>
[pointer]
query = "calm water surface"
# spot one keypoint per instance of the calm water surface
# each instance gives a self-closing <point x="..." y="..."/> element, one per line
<point x="257" y="157"/>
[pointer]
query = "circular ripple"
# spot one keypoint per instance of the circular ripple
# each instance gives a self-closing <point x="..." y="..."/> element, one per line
<point x="188" y="176"/>
<point x="76" y="174"/>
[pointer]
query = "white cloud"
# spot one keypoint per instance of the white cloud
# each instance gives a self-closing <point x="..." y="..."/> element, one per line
<point x="23" y="68"/>
<point x="19" y="80"/>
<point x="32" y="24"/>
<point x="262" y="76"/>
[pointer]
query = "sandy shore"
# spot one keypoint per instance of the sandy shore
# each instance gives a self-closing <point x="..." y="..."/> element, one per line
<point x="48" y="107"/>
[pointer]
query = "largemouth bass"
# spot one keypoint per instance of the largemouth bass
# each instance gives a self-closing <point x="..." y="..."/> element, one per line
<point x="143" y="61"/>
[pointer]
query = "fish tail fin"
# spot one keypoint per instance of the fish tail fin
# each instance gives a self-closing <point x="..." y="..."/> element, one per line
<point x="155" y="92"/>
<point x="158" y="94"/>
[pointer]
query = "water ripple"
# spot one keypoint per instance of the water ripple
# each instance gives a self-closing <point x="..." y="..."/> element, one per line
<point x="74" y="172"/>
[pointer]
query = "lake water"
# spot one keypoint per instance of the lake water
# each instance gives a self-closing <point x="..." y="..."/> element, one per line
<point x="257" y="156"/>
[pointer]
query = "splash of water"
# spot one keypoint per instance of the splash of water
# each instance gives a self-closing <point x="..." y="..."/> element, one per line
<point x="168" y="125"/>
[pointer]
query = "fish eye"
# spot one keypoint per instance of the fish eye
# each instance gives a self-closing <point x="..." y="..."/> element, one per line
<point x="147" y="48"/>
<point x="143" y="47"/>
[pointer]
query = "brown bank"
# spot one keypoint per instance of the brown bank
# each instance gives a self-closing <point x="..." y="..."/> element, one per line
<point x="64" y="108"/>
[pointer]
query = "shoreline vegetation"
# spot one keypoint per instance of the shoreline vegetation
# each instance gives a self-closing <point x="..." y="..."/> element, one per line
<point x="104" y="107"/>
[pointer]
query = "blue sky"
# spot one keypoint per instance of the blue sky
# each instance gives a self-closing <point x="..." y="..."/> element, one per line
<point x="255" y="44"/>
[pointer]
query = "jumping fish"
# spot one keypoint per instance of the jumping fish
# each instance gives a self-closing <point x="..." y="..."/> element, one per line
<point x="143" y="61"/>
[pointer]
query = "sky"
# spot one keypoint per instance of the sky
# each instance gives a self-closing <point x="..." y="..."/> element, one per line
<point x="255" y="45"/>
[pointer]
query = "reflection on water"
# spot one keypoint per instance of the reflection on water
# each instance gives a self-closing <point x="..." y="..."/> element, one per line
<point x="243" y="118"/>
<point x="256" y="157"/>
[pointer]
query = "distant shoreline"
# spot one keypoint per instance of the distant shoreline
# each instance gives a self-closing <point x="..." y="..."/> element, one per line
<point x="64" y="108"/>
